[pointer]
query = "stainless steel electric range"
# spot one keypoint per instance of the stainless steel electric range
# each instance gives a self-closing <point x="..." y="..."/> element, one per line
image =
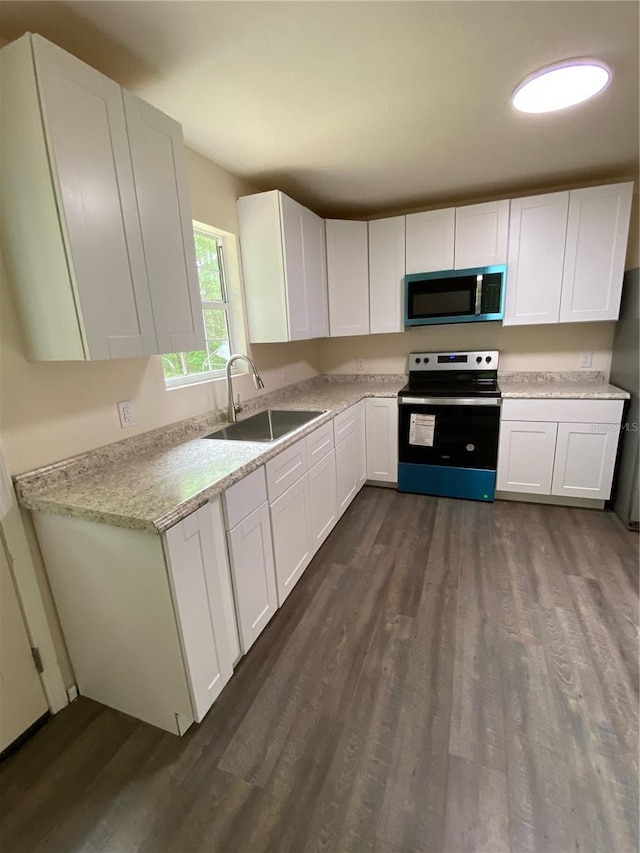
<point x="448" y="427"/>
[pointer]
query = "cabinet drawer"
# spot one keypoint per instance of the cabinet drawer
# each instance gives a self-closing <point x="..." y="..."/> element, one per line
<point x="346" y="422"/>
<point x="242" y="498"/>
<point x="567" y="411"/>
<point x="319" y="443"/>
<point x="286" y="468"/>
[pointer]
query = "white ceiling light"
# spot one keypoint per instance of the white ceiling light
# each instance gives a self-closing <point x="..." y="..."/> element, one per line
<point x="561" y="85"/>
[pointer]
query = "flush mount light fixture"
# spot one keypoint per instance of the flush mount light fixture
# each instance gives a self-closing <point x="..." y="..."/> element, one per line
<point x="561" y="85"/>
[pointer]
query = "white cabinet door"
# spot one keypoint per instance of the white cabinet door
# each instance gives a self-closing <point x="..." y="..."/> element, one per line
<point x="386" y="274"/>
<point x="361" y="446"/>
<point x="347" y="471"/>
<point x="430" y="238"/>
<point x="537" y="234"/>
<point x="323" y="499"/>
<point x="298" y="310"/>
<point x="595" y="253"/>
<point x="291" y="526"/>
<point x="199" y="576"/>
<point x="254" y="579"/>
<point x="481" y="234"/>
<point x="382" y="439"/>
<point x="585" y="459"/>
<point x="88" y="149"/>
<point x="347" y="277"/>
<point x="157" y="154"/>
<point x="525" y="456"/>
<point x="315" y="273"/>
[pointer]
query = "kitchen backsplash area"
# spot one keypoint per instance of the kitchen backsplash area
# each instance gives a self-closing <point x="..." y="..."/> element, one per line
<point x="531" y="348"/>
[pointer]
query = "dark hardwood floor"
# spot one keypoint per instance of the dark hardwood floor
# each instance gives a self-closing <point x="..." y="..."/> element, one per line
<point x="447" y="676"/>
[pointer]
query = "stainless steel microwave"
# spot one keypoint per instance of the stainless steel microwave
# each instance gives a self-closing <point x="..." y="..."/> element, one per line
<point x="454" y="296"/>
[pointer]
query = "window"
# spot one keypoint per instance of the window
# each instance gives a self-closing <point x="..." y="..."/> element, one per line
<point x="184" y="368"/>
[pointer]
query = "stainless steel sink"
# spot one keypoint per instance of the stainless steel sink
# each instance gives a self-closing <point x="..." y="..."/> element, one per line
<point x="265" y="426"/>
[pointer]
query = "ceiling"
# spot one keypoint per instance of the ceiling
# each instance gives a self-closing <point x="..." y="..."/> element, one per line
<point x="364" y="107"/>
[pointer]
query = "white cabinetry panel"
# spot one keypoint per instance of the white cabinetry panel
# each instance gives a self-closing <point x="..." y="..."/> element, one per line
<point x="347" y="277"/>
<point x="254" y="581"/>
<point x="199" y="574"/>
<point x="293" y="257"/>
<point x="481" y="234"/>
<point x="595" y="253"/>
<point x="285" y="468"/>
<point x="291" y="525"/>
<point x="386" y="274"/>
<point x="315" y="273"/>
<point x="585" y="459"/>
<point x="160" y="175"/>
<point x="91" y="168"/>
<point x="429" y="240"/>
<point x="346" y="471"/>
<point x="323" y="499"/>
<point x="382" y="439"/>
<point x="525" y="456"/>
<point x="537" y="234"/>
<point x="319" y="443"/>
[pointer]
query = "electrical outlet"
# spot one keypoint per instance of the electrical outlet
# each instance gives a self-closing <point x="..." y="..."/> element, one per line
<point x="586" y="359"/>
<point x="360" y="364"/>
<point x="127" y="414"/>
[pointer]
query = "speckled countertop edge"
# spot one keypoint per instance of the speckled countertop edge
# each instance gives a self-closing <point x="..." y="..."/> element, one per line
<point x="573" y="385"/>
<point x="153" y="490"/>
<point x="152" y="481"/>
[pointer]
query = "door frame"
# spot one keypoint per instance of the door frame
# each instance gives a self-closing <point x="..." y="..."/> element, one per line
<point x="14" y="541"/>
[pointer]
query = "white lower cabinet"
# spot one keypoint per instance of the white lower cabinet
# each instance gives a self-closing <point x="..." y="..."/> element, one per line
<point x="351" y="454"/>
<point x="525" y="457"/>
<point x="291" y="527"/>
<point x="382" y="439"/>
<point x="585" y="460"/>
<point x="323" y="499"/>
<point x="252" y="569"/>
<point x="561" y="448"/>
<point x="199" y="577"/>
<point x="148" y="620"/>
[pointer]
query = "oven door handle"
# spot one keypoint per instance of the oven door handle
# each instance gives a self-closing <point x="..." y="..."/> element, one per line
<point x="449" y="401"/>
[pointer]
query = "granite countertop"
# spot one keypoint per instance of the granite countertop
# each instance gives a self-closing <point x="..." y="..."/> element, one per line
<point x="156" y="479"/>
<point x="155" y="489"/>
<point x="583" y="385"/>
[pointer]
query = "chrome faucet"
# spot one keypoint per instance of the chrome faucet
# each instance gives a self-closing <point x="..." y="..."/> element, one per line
<point x="234" y="408"/>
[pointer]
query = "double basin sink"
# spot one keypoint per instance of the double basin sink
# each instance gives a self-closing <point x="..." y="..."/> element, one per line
<point x="265" y="426"/>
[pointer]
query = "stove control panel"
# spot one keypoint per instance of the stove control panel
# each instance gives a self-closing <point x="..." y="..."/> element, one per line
<point x="481" y="360"/>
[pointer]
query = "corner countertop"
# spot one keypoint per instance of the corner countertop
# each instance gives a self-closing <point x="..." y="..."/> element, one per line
<point x="153" y="490"/>
<point x="583" y="385"/>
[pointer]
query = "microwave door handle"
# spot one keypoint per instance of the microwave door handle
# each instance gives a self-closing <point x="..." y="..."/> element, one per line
<point x="478" y="295"/>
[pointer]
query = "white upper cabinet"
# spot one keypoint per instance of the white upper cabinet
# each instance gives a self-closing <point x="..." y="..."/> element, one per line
<point x="386" y="274"/>
<point x="95" y="213"/>
<point x="160" y="176"/>
<point x="348" y="277"/>
<point x="481" y="235"/>
<point x="537" y="234"/>
<point x="457" y="238"/>
<point x="597" y="233"/>
<point x="430" y="240"/>
<point x="284" y="268"/>
<point x="315" y="272"/>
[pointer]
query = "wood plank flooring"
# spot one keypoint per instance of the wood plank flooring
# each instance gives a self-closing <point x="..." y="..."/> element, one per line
<point x="447" y="676"/>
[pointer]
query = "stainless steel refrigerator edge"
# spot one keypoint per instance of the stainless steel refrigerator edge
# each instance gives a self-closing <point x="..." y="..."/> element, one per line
<point x="625" y="371"/>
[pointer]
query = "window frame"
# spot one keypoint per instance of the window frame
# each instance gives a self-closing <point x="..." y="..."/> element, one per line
<point x="224" y="305"/>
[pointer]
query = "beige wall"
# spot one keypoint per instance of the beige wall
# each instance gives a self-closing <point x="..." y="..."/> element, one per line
<point x="51" y="410"/>
<point x="527" y="348"/>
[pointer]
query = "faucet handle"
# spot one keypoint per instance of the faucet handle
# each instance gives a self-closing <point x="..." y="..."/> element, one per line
<point x="237" y="407"/>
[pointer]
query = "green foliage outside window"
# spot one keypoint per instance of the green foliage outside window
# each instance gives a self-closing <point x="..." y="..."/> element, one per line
<point x="214" y="307"/>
